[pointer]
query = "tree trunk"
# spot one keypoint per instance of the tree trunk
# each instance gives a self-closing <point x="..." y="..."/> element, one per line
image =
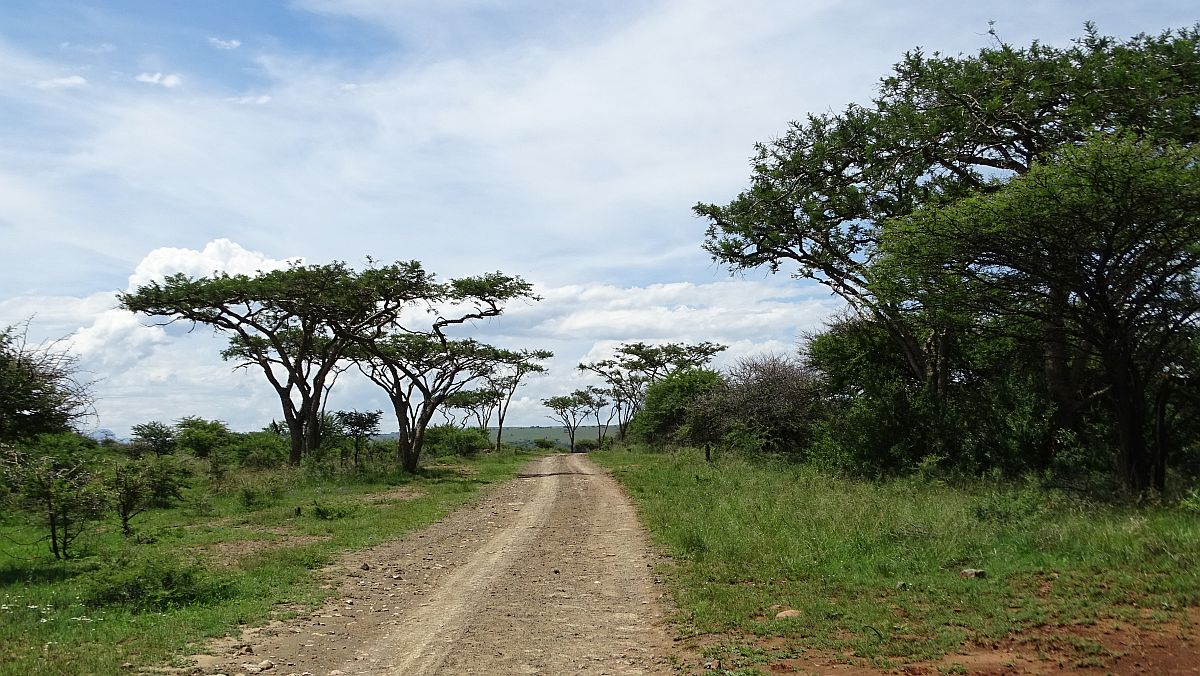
<point x="1059" y="381"/>
<point x="499" y="429"/>
<point x="1158" y="478"/>
<point x="54" y="536"/>
<point x="1128" y="399"/>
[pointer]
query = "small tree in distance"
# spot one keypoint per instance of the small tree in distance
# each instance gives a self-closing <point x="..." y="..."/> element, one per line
<point x="156" y="437"/>
<point x="506" y="377"/>
<point x="359" y="426"/>
<point x="570" y="411"/>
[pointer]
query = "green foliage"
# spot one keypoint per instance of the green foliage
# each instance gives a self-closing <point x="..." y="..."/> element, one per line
<point x="61" y="492"/>
<point x="152" y="583"/>
<point x="570" y="410"/>
<point x="586" y="445"/>
<point x="670" y="404"/>
<point x="636" y="366"/>
<point x="452" y="440"/>
<point x="258" y="450"/>
<point x="156" y="437"/>
<point x="201" y="437"/>
<point x="1014" y="232"/>
<point x="165" y="479"/>
<point x="40" y="388"/>
<point x="544" y="443"/>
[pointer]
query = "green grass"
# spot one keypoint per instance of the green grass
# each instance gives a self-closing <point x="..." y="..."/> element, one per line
<point x="873" y="567"/>
<point x="46" y="626"/>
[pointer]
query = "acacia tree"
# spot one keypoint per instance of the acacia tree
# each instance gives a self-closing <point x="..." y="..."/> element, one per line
<point x="419" y="373"/>
<point x="940" y="128"/>
<point x="359" y="426"/>
<point x="477" y="405"/>
<point x="294" y="324"/>
<point x="419" y="367"/>
<point x="507" y="376"/>
<point x="570" y="411"/>
<point x="636" y="366"/>
<point x="594" y="401"/>
<point x="1113" y="224"/>
<point x="41" y="390"/>
<point x="61" y="491"/>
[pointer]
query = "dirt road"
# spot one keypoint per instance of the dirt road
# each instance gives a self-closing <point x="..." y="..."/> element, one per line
<point x="548" y="574"/>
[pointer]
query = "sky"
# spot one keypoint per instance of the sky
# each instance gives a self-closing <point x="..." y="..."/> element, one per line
<point x="565" y="142"/>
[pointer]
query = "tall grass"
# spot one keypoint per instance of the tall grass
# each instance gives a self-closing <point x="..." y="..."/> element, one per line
<point x="874" y="567"/>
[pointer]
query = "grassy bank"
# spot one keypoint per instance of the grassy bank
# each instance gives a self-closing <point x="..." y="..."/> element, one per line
<point x="239" y="551"/>
<point x="874" y="569"/>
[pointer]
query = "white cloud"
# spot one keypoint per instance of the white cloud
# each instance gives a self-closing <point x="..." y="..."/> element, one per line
<point x="170" y="80"/>
<point x="221" y="255"/>
<point x="67" y="82"/>
<point x="224" y="44"/>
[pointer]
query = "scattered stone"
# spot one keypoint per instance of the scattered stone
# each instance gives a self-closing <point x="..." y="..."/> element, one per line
<point x="127" y="665"/>
<point x="973" y="572"/>
<point x="903" y="586"/>
<point x="266" y="664"/>
<point x="785" y="614"/>
<point x="366" y="566"/>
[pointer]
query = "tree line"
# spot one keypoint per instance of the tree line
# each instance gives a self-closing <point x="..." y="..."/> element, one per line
<point x="304" y="325"/>
<point x="1016" y="234"/>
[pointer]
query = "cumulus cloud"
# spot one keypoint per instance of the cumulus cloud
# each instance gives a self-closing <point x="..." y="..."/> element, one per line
<point x="170" y="80"/>
<point x="224" y="44"/>
<point x="67" y="82"/>
<point x="116" y="340"/>
<point x="220" y="255"/>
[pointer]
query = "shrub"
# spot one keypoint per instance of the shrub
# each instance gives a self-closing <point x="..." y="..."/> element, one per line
<point x="151" y="583"/>
<point x="545" y="444"/>
<point x="330" y="512"/>
<point x="255" y="491"/>
<point x="260" y="450"/>
<point x="670" y="404"/>
<point x="586" y="445"/>
<point x="165" y="479"/>
<point x="61" y="492"/>
<point x="451" y="440"/>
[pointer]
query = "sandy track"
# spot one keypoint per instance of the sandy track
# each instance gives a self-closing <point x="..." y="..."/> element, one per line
<point x="548" y="574"/>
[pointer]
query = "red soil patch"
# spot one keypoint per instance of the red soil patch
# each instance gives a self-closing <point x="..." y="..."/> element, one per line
<point x="1147" y="646"/>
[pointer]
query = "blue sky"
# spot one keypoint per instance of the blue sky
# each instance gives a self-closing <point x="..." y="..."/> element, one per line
<point x="565" y="142"/>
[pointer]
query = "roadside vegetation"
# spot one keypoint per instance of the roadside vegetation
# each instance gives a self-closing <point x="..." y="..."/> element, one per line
<point x="219" y="543"/>
<point x="874" y="569"/>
